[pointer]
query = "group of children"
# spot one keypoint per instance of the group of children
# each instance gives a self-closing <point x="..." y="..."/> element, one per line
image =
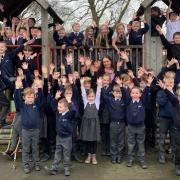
<point x="99" y="103"/>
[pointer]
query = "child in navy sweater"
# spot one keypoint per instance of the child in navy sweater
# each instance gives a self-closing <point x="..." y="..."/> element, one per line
<point x="64" y="127"/>
<point x="117" y="113"/>
<point x="104" y="114"/>
<point x="136" y="125"/>
<point x="30" y="114"/>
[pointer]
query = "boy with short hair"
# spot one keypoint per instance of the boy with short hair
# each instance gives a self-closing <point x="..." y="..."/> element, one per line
<point x="30" y="114"/>
<point x="117" y="113"/>
<point x="64" y="126"/>
<point x="136" y="125"/>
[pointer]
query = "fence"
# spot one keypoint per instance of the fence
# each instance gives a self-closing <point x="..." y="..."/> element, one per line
<point x="135" y="55"/>
<point x="57" y="55"/>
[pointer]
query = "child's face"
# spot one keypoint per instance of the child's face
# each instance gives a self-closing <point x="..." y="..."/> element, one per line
<point x="27" y="53"/>
<point x="169" y="84"/>
<point x="68" y="94"/>
<point x="91" y="97"/>
<point x="90" y="33"/>
<point x="76" y="28"/>
<point x="136" y="25"/>
<point x="15" y="20"/>
<point x="142" y="85"/>
<point x="31" y="23"/>
<point x="173" y="17"/>
<point x="104" y="30"/>
<point x="117" y="94"/>
<point x="176" y="39"/>
<point x="87" y="85"/>
<point x="2" y="48"/>
<point x="135" y="94"/>
<point x="62" y="108"/>
<point x="29" y="98"/>
<point x="120" y="29"/>
<point x="106" y="80"/>
<point x="34" y="32"/>
<point x="22" y="32"/>
<point x="8" y="33"/>
<point x="61" y="33"/>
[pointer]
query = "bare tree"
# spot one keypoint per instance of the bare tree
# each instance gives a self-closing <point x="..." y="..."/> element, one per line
<point x="98" y="10"/>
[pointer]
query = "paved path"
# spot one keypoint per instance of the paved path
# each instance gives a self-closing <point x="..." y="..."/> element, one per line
<point x="103" y="171"/>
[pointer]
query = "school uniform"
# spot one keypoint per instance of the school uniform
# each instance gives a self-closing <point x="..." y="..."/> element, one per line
<point x="176" y="128"/>
<point x="7" y="68"/>
<point x="136" y="129"/>
<point x="64" y="130"/>
<point x="135" y="38"/>
<point x="166" y="115"/>
<point x="105" y="120"/>
<point x="78" y="36"/>
<point x="31" y="120"/>
<point x="90" y="126"/>
<point x="173" y="50"/>
<point x="117" y="113"/>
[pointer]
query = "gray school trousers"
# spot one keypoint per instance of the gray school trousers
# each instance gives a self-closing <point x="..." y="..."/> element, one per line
<point x="117" y="138"/>
<point x="30" y="141"/>
<point x="136" y="134"/>
<point x="63" y="152"/>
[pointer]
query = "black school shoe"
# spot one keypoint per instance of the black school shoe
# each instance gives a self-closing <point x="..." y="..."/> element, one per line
<point x="130" y="163"/>
<point x="143" y="164"/>
<point x="113" y="159"/>
<point x="119" y="159"/>
<point x="50" y="170"/>
<point x="27" y="170"/>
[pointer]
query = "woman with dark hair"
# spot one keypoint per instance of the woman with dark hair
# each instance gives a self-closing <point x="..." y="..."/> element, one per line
<point x="107" y="66"/>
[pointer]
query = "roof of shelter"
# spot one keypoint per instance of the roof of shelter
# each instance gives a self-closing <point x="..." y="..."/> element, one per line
<point x="15" y="7"/>
<point x="175" y="4"/>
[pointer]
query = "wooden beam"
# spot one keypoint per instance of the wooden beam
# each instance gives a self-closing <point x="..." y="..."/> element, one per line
<point x="43" y="3"/>
<point x="44" y="25"/>
<point x="147" y="3"/>
<point x="153" y="54"/>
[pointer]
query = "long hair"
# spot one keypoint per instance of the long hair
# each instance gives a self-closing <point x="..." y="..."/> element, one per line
<point x="99" y="37"/>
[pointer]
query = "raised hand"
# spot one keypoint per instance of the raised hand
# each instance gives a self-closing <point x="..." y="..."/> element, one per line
<point x="131" y="74"/>
<point x="118" y="81"/>
<point x="99" y="81"/>
<point x="160" y="84"/>
<point x="24" y="65"/>
<point x="56" y="75"/>
<point x="124" y="56"/>
<point x="21" y="56"/>
<point x="58" y="95"/>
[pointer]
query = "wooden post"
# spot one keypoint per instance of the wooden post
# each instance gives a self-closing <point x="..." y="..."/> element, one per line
<point x="153" y="56"/>
<point x="44" y="25"/>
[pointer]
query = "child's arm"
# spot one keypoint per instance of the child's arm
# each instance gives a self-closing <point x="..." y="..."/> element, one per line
<point x="98" y="92"/>
<point x="164" y="41"/>
<point x="54" y="101"/>
<point x="146" y="26"/>
<point x="168" y="10"/>
<point x="83" y="92"/>
<point x="18" y="93"/>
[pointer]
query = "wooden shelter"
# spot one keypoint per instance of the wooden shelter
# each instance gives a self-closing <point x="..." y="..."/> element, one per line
<point x="153" y="50"/>
<point x="15" y="7"/>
